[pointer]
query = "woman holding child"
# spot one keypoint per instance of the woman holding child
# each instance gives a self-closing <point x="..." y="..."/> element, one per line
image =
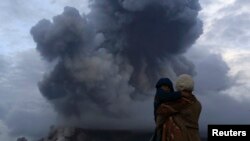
<point x="176" y="113"/>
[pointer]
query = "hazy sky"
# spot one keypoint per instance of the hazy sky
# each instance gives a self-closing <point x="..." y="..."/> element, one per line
<point x="221" y="56"/>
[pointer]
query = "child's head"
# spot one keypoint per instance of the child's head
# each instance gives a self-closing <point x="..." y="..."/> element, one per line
<point x="184" y="83"/>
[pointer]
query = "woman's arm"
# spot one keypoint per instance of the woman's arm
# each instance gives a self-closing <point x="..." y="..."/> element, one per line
<point x="170" y="108"/>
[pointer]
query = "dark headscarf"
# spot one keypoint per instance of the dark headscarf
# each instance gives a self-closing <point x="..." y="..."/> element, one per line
<point x="165" y="81"/>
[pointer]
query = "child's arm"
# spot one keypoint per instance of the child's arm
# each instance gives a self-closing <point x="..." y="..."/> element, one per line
<point x="165" y="97"/>
<point x="171" y="96"/>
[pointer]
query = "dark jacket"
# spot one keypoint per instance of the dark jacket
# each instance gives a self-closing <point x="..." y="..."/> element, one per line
<point x="161" y="96"/>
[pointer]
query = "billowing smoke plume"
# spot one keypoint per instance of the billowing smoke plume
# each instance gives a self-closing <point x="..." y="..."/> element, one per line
<point x="115" y="54"/>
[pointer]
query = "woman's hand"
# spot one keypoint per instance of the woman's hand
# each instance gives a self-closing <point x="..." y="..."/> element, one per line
<point x="186" y="93"/>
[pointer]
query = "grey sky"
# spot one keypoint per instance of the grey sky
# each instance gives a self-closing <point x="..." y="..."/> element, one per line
<point x="221" y="56"/>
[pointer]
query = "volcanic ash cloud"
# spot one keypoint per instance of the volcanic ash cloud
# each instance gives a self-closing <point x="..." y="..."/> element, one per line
<point x="112" y="57"/>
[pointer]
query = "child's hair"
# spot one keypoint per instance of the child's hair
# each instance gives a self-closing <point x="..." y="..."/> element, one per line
<point x="184" y="83"/>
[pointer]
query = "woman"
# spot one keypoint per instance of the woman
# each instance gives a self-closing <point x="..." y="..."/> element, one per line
<point x="178" y="120"/>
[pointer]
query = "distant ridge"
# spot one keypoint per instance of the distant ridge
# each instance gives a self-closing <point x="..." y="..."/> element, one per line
<point x="80" y="134"/>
